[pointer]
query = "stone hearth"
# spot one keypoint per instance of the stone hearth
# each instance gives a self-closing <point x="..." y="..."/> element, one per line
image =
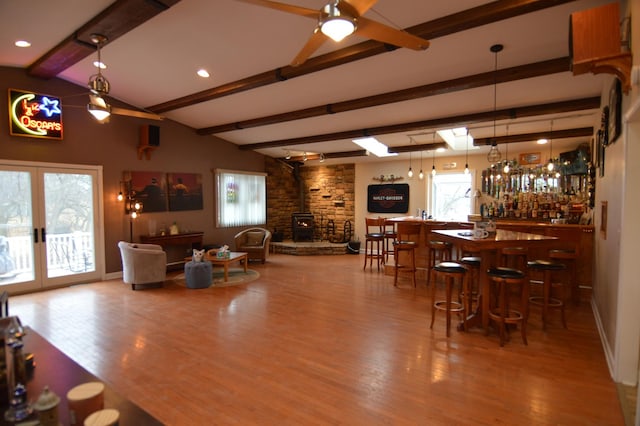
<point x="308" y="248"/>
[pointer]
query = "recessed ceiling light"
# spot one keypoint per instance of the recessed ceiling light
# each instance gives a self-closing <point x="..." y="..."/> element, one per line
<point x="542" y="141"/>
<point x="203" y="73"/>
<point x="22" y="43"/>
<point x="100" y="65"/>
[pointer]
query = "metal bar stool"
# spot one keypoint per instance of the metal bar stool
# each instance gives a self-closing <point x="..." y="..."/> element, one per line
<point x="373" y="236"/>
<point x="390" y="235"/>
<point x="450" y="271"/>
<point x="546" y="301"/>
<point x="569" y="258"/>
<point x="439" y="251"/>
<point x="407" y="241"/>
<point x="502" y="279"/>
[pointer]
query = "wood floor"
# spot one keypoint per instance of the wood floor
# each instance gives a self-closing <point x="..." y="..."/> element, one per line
<point x="317" y="340"/>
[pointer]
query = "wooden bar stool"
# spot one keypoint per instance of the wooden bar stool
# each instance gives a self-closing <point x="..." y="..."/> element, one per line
<point x="472" y="263"/>
<point x="546" y="301"/>
<point x="439" y="251"/>
<point x="407" y="241"/>
<point x="450" y="271"/>
<point x="502" y="280"/>
<point x="373" y="237"/>
<point x="390" y="235"/>
<point x="514" y="257"/>
<point x="569" y="258"/>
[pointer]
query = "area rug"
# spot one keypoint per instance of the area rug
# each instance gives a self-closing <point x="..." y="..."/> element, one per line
<point x="237" y="276"/>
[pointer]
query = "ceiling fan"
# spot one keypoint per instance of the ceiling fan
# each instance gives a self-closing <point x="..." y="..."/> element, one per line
<point x="340" y="18"/>
<point x="99" y="87"/>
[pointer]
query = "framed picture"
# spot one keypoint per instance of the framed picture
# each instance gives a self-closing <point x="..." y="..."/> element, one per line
<point x="185" y="191"/>
<point x="150" y="189"/>
<point x="528" y="158"/>
<point x="614" y="123"/>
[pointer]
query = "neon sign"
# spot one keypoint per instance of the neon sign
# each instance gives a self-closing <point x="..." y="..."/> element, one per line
<point x="34" y="115"/>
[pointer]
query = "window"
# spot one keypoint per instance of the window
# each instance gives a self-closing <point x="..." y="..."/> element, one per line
<point x="241" y="198"/>
<point x="451" y="196"/>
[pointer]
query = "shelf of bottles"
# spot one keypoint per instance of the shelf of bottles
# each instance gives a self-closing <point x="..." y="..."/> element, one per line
<point x="537" y="193"/>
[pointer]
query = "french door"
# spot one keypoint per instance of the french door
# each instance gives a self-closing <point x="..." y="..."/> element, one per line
<point x="49" y="225"/>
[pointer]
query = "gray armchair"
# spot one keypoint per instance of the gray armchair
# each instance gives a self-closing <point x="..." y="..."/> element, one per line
<point x="255" y="242"/>
<point x="142" y="263"/>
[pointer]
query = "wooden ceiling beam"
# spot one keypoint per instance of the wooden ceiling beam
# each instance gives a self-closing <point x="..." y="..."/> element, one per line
<point x="450" y="24"/>
<point x="529" y="137"/>
<point x="414" y="148"/>
<point x="116" y="20"/>
<point x="520" y="72"/>
<point x="456" y="121"/>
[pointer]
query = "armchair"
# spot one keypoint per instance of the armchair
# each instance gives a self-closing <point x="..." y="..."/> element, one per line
<point x="255" y="242"/>
<point x="142" y="263"/>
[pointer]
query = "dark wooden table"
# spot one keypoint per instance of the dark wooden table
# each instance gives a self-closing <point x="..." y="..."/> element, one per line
<point x="60" y="373"/>
<point x="488" y="248"/>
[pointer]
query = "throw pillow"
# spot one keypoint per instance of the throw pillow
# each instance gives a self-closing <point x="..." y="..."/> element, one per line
<point x="254" y="238"/>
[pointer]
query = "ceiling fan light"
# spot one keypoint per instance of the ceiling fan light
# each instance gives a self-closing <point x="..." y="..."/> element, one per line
<point x="99" y="112"/>
<point x="98" y="84"/>
<point x="336" y="25"/>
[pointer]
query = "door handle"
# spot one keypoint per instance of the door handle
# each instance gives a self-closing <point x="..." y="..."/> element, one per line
<point x="35" y="235"/>
<point x="44" y="235"/>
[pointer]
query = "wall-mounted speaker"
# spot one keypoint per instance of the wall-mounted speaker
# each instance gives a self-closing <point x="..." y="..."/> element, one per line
<point x="149" y="135"/>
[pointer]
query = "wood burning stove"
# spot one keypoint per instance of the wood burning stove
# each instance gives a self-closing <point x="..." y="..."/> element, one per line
<point x="302" y="226"/>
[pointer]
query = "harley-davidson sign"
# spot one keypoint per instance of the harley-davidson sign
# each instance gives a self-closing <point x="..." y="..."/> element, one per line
<point x="388" y="198"/>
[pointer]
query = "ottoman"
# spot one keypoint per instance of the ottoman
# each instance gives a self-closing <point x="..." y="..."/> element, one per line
<point x="198" y="274"/>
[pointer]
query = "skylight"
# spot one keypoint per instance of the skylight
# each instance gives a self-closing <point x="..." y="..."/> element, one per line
<point x="457" y="138"/>
<point x="374" y="146"/>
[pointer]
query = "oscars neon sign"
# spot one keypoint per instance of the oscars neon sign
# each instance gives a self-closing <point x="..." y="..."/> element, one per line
<point x="34" y="115"/>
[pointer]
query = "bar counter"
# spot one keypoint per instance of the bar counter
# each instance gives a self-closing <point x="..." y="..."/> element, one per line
<point x="570" y="236"/>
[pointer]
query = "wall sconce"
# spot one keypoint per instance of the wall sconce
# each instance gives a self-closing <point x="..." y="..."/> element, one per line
<point x="132" y="207"/>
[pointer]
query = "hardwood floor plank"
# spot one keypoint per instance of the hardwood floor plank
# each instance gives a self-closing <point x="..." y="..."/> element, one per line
<point x="317" y="340"/>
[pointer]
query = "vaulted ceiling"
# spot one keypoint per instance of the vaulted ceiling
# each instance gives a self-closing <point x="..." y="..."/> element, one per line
<point x="255" y="99"/>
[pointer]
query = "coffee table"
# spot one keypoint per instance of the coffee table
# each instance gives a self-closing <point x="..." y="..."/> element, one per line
<point x="234" y="256"/>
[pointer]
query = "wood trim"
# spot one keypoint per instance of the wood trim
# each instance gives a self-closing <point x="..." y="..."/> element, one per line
<point x="537" y="69"/>
<point x="466" y="119"/>
<point x="526" y="137"/>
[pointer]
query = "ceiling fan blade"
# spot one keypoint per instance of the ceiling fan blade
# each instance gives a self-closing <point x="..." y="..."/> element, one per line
<point x="361" y="6"/>
<point x="377" y="31"/>
<point x="289" y="8"/>
<point x="314" y="42"/>
<point x="137" y="114"/>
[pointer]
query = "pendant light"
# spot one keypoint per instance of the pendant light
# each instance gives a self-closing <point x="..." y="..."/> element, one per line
<point x="99" y="86"/>
<point x="506" y="155"/>
<point x="494" y="154"/>
<point x="410" y="173"/>
<point x="466" y="156"/>
<point x="550" y="165"/>
<point x="421" y="174"/>
<point x="433" y="167"/>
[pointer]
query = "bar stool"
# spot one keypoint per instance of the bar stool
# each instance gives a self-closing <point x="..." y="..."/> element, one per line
<point x="514" y="257"/>
<point x="439" y="251"/>
<point x="546" y="301"/>
<point x="373" y="236"/>
<point x="472" y="263"/>
<point x="450" y="271"/>
<point x="390" y="235"/>
<point x="501" y="279"/>
<point x="407" y="241"/>
<point x="569" y="258"/>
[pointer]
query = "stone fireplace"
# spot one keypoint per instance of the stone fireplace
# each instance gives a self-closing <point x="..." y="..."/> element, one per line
<point x="302" y="227"/>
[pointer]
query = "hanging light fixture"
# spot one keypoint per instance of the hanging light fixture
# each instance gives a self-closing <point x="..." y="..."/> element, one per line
<point x="337" y="24"/>
<point x="494" y="154"/>
<point x="506" y="155"/>
<point x="410" y="173"/>
<point x="421" y="174"/>
<point x="550" y="165"/>
<point x="466" y="155"/>
<point x="99" y="86"/>
<point x="433" y="167"/>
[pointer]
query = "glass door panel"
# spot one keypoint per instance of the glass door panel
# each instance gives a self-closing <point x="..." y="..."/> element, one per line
<point x="17" y="257"/>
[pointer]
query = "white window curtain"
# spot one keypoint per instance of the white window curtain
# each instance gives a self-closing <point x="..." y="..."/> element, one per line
<point x="241" y="198"/>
